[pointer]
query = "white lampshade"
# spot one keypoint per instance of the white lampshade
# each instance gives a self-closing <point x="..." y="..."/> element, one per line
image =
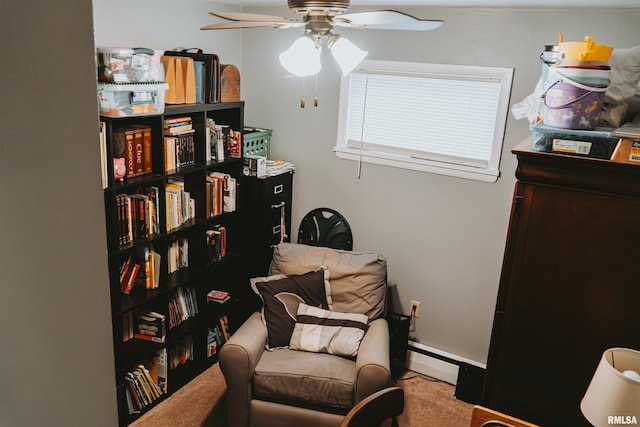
<point x="302" y="58"/>
<point x="346" y="54"/>
<point x="613" y="396"/>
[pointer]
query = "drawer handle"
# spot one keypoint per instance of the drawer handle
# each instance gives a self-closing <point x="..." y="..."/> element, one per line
<point x="276" y="229"/>
<point x="278" y="189"/>
<point x="279" y="205"/>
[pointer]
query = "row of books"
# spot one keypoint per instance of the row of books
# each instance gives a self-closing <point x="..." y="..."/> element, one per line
<point x="147" y="382"/>
<point x="142" y="268"/>
<point x="133" y="143"/>
<point x="216" y="243"/>
<point x="179" y="143"/>
<point x="221" y="142"/>
<point x="182" y="306"/>
<point x="179" y="203"/>
<point x="137" y="215"/>
<point x="178" y="254"/>
<point x="217" y="335"/>
<point x="221" y="194"/>
<point x="181" y="352"/>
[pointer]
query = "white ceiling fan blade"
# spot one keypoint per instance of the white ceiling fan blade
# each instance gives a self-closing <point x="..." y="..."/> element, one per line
<point x="386" y="20"/>
<point x="238" y="16"/>
<point x="252" y="24"/>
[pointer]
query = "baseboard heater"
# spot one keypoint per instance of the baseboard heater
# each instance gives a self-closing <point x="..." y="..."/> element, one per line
<point x="466" y="375"/>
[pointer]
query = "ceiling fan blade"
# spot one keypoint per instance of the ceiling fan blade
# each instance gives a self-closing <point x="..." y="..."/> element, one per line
<point x="252" y="24"/>
<point x="238" y="16"/>
<point x="386" y="20"/>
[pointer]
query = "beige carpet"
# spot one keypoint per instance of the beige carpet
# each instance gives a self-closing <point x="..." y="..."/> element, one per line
<point x="428" y="403"/>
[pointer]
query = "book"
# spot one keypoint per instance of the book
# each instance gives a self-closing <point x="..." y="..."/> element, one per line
<point x="234" y="143"/>
<point x="224" y="327"/>
<point x="215" y="194"/>
<point x="157" y="367"/>
<point x="170" y="153"/>
<point x="216" y="240"/>
<point x="212" y="341"/>
<point x="103" y="154"/>
<point x="149" y="326"/>
<point x="145" y="275"/>
<point x="147" y="157"/>
<point x="130" y="156"/>
<point x="130" y="279"/>
<point x="138" y="150"/>
<point x="127" y="326"/>
<point x="218" y="296"/>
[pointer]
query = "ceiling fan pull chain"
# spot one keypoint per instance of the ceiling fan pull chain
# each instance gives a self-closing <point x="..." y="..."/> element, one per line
<point x="315" y="98"/>
<point x="302" y="103"/>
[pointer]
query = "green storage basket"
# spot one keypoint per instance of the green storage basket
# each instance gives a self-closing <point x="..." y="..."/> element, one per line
<point x="256" y="141"/>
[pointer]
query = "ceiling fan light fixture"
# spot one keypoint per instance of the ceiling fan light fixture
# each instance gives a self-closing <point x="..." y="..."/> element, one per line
<point x="302" y="58"/>
<point x="346" y="54"/>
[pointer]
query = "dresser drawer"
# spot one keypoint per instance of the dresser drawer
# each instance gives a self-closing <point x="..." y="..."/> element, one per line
<point x="277" y="188"/>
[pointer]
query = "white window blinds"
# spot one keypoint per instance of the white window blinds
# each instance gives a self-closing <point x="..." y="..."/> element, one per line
<point x="447" y="114"/>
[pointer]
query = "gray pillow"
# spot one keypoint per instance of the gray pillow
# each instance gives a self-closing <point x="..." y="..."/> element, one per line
<point x="358" y="279"/>
<point x="281" y="295"/>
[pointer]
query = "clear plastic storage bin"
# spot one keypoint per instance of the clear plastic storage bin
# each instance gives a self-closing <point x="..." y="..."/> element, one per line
<point x="135" y="99"/>
<point x="597" y="143"/>
<point x="129" y="65"/>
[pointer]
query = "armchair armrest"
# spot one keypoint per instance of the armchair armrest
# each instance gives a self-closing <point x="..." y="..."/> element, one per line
<point x="372" y="362"/>
<point x="238" y="358"/>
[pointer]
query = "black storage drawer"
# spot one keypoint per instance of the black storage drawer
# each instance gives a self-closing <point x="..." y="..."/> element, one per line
<point x="268" y="217"/>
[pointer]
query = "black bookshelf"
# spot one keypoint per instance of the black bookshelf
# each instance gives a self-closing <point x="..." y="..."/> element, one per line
<point x="198" y="273"/>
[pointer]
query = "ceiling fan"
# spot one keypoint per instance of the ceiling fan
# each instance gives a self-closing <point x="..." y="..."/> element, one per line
<point x="318" y="18"/>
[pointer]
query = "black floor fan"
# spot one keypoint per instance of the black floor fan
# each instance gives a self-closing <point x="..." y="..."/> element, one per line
<point x="325" y="227"/>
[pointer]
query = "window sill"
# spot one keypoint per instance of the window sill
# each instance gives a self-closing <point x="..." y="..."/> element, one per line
<point x="422" y="165"/>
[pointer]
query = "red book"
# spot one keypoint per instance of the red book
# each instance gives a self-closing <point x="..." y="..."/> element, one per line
<point x="130" y="279"/>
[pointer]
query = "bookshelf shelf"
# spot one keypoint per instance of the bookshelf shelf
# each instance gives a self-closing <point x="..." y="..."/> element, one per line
<point x="156" y="217"/>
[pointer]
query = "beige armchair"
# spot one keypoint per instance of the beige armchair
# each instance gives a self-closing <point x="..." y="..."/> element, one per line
<point x="286" y="387"/>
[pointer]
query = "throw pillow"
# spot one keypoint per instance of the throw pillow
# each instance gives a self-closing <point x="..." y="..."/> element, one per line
<point x="326" y="331"/>
<point x="281" y="295"/>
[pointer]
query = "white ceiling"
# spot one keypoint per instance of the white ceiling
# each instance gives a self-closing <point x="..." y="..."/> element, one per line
<point x="469" y="3"/>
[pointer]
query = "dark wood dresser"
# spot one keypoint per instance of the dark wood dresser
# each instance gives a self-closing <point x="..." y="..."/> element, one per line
<point x="570" y="284"/>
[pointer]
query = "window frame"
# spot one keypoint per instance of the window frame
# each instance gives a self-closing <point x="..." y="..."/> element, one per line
<point x="432" y="164"/>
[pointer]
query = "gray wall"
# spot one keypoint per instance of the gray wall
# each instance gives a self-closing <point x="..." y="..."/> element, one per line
<point x="165" y="25"/>
<point x="56" y="362"/>
<point x="444" y="237"/>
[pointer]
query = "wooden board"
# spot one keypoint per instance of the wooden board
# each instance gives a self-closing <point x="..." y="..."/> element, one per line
<point x="229" y="83"/>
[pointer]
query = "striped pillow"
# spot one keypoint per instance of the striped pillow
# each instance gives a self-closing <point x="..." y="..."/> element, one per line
<point x="325" y="331"/>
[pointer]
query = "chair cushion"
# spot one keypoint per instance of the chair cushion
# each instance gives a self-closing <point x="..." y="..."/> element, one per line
<point x="327" y="331"/>
<point x="308" y="378"/>
<point x="281" y="295"/>
<point x="358" y="280"/>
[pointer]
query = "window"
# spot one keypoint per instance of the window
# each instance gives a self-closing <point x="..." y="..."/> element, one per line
<point x="444" y="119"/>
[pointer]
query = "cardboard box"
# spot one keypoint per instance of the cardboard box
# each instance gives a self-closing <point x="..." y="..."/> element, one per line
<point x="255" y="166"/>
<point x="627" y="151"/>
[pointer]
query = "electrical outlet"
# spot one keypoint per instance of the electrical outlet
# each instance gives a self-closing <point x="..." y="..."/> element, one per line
<point x="415" y="308"/>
